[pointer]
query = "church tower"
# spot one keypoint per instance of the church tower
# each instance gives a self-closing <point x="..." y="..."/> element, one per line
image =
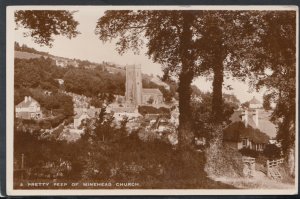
<point x="133" y="93"/>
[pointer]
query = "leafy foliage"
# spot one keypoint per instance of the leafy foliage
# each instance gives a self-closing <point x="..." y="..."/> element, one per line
<point x="277" y="55"/>
<point x="152" y="110"/>
<point x="221" y="159"/>
<point x="39" y="72"/>
<point x="43" y="25"/>
<point x="25" y="48"/>
<point x="272" y="152"/>
<point x="249" y="152"/>
<point x="202" y="114"/>
<point x="267" y="101"/>
<point x="94" y="82"/>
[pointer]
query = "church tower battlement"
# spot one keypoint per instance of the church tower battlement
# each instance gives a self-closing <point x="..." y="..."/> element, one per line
<point x="133" y="93"/>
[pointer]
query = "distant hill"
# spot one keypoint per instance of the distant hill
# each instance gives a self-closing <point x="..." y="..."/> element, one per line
<point x="27" y="55"/>
<point x="25" y="52"/>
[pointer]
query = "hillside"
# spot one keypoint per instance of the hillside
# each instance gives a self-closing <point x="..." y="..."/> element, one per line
<point x="80" y="76"/>
<point x="27" y="55"/>
<point x="25" y="52"/>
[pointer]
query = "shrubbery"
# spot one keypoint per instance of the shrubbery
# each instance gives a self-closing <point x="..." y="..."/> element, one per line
<point x="152" y="110"/>
<point x="222" y="160"/>
<point x="272" y="152"/>
<point x="249" y="152"/>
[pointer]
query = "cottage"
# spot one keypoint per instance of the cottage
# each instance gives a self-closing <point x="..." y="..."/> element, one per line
<point x="29" y="108"/>
<point x="238" y="136"/>
<point x="84" y="113"/>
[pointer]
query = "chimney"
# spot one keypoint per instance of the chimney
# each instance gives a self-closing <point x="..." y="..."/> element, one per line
<point x="246" y="118"/>
<point x="26" y="98"/>
<point x="256" y="118"/>
<point x="29" y="98"/>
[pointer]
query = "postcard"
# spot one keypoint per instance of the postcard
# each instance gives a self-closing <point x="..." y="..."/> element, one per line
<point x="152" y="100"/>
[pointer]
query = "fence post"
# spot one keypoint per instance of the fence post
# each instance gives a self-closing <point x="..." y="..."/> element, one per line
<point x="268" y="172"/>
<point x="22" y="166"/>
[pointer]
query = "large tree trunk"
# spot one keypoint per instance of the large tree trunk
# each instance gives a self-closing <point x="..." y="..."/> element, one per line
<point x="185" y="134"/>
<point x="217" y="101"/>
<point x="217" y="65"/>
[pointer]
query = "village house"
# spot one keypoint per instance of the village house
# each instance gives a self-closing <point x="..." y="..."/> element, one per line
<point x="64" y="62"/>
<point x="250" y="127"/>
<point x="256" y="117"/>
<point x="84" y="113"/>
<point x="29" y="108"/>
<point x="152" y="96"/>
<point x="238" y="136"/>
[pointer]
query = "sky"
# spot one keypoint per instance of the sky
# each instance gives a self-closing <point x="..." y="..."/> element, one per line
<point x="87" y="46"/>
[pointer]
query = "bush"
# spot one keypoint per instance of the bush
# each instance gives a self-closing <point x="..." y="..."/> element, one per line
<point x="222" y="160"/>
<point x="249" y="152"/>
<point x="272" y="152"/>
<point x="152" y="110"/>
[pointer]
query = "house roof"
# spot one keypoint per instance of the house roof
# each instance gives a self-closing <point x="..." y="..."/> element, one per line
<point x="27" y="103"/>
<point x="154" y="91"/>
<point x="265" y="125"/>
<point x="236" y="131"/>
<point x="92" y="112"/>
<point x="254" y="101"/>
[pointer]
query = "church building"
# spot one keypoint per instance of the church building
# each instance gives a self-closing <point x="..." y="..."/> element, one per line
<point x="135" y="93"/>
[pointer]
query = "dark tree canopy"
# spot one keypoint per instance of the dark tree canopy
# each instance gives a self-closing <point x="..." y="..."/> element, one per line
<point x="277" y="71"/>
<point x="43" y="25"/>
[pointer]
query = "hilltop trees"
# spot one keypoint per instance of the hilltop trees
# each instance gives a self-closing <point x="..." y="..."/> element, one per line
<point x="93" y="82"/>
<point x="43" y="25"/>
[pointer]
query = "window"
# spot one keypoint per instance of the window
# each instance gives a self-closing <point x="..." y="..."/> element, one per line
<point x="244" y="142"/>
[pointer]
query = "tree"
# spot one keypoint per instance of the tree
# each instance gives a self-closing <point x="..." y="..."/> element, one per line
<point x="43" y="25"/>
<point x="267" y="102"/>
<point x="228" y="39"/>
<point x="245" y="104"/>
<point x="272" y="152"/>
<point x="277" y="71"/>
<point x="171" y="39"/>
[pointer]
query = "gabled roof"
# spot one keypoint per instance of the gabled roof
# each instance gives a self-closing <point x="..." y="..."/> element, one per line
<point x="24" y="104"/>
<point x="254" y="101"/>
<point x="154" y="91"/>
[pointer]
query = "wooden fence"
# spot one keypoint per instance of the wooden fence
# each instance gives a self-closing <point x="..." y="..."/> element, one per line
<point x="272" y="168"/>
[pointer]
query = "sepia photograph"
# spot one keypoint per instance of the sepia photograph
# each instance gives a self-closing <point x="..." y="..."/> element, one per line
<point x="154" y="100"/>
